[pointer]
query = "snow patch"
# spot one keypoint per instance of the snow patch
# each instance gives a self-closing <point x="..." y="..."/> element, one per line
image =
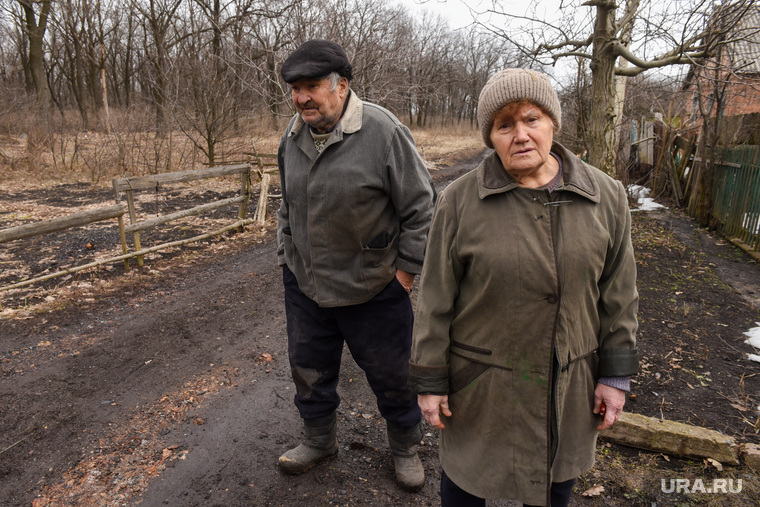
<point x="754" y="336"/>
<point x="753" y="340"/>
<point x="640" y="194"/>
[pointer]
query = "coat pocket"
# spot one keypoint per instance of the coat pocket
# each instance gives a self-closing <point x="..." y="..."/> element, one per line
<point x="381" y="241"/>
<point x="464" y="372"/>
<point x="295" y="262"/>
<point x="470" y="348"/>
<point x="377" y="260"/>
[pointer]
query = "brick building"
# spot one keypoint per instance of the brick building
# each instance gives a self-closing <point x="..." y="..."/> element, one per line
<point x="732" y="78"/>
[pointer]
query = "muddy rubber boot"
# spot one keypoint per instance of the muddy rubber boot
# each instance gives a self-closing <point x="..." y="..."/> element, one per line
<point x="410" y="474"/>
<point x="320" y="443"/>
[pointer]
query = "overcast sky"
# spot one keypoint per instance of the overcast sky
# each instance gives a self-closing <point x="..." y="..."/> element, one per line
<point x="458" y="13"/>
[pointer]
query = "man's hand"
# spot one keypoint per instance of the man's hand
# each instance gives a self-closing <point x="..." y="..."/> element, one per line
<point x="405" y="279"/>
<point x="432" y="406"/>
<point x="608" y="401"/>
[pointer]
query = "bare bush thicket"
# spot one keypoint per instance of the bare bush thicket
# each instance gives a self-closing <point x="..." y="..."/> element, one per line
<point x="144" y="86"/>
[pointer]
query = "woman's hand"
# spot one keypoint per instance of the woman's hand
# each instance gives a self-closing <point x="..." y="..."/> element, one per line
<point x="432" y="406"/>
<point x="608" y="401"/>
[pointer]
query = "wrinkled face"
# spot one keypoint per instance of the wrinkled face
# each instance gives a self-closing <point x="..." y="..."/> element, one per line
<point x="318" y="105"/>
<point x="522" y="135"/>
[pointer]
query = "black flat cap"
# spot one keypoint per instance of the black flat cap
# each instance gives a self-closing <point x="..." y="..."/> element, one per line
<point x="314" y="59"/>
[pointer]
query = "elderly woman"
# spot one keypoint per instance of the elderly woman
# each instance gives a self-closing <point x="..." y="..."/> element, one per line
<point x="526" y="318"/>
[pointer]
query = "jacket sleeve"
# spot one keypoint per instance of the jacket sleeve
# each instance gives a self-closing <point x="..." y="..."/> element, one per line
<point x="441" y="273"/>
<point x="413" y="196"/>
<point x="283" y="224"/>
<point x="618" y="297"/>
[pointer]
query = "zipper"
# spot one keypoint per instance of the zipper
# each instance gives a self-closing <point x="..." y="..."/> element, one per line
<point x="552" y="427"/>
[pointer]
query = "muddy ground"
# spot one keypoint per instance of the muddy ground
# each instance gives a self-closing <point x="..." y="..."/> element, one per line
<point x="169" y="385"/>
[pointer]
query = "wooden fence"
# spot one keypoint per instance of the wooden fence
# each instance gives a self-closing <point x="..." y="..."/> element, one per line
<point x="59" y="224"/>
<point x="736" y="195"/>
<point x="735" y="188"/>
<point x="125" y="188"/>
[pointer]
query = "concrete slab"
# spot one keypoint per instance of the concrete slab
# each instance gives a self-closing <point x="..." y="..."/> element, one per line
<point x="672" y="437"/>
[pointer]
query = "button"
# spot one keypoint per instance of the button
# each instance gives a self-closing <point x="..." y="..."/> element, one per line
<point x="552" y="299"/>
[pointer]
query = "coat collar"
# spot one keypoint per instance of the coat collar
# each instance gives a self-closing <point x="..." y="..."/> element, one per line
<point x="577" y="176"/>
<point x="350" y="123"/>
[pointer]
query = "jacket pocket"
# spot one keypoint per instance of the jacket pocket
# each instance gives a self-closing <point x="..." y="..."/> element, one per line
<point x="286" y="237"/>
<point x="296" y="264"/>
<point x="381" y="241"/>
<point x="459" y="380"/>
<point x="470" y="348"/>
<point x="377" y="261"/>
<point x="464" y="372"/>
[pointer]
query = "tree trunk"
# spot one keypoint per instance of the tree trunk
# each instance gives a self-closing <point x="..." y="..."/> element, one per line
<point x="602" y="126"/>
<point x="623" y="146"/>
<point x="705" y="175"/>
<point x="272" y="88"/>
<point x="104" y="89"/>
<point x="35" y="29"/>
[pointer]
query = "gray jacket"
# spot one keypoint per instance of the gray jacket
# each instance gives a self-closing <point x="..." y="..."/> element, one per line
<point x="355" y="213"/>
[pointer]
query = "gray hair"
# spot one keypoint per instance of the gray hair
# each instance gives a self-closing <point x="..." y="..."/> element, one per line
<point x="334" y="78"/>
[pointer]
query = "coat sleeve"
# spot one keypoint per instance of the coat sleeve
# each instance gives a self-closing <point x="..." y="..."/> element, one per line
<point x="413" y="196"/>
<point x="439" y="286"/>
<point x="283" y="225"/>
<point x="618" y="303"/>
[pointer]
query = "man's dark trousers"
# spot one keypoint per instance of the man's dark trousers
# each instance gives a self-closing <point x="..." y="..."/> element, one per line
<point x="378" y="334"/>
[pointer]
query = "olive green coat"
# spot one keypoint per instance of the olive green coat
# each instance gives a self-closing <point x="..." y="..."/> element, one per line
<point x="527" y="297"/>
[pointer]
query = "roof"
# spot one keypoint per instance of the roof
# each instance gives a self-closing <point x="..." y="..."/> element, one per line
<point x="745" y="52"/>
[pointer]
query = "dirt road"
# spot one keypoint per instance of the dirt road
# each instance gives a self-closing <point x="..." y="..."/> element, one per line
<point x="178" y="389"/>
<point x="174" y="389"/>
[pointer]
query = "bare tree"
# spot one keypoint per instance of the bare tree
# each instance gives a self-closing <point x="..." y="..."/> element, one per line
<point x="159" y="18"/>
<point x="208" y="67"/>
<point x="36" y="15"/>
<point x="85" y="28"/>
<point x="206" y="101"/>
<point x="619" y="38"/>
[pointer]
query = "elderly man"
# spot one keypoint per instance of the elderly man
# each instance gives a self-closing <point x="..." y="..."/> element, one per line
<point x="357" y="202"/>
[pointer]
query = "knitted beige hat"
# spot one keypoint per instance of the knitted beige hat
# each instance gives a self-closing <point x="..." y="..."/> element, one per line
<point x="510" y="85"/>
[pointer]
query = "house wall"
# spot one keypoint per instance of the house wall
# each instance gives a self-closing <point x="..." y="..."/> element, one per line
<point x="743" y="97"/>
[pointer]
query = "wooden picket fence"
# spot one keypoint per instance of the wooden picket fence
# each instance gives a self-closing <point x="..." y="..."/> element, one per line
<point x="124" y="190"/>
<point x="736" y="195"/>
<point x="735" y="207"/>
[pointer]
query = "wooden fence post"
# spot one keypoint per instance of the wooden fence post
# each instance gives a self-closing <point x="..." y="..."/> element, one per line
<point x="132" y="220"/>
<point x="261" y="209"/>
<point x="260" y="217"/>
<point x="245" y="193"/>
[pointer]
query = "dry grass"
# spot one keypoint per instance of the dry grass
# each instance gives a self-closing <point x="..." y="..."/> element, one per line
<point x="634" y="478"/>
<point x="97" y="158"/>
<point x="445" y="146"/>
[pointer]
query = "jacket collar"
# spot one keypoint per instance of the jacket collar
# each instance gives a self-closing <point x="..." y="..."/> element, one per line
<point x="350" y="123"/>
<point x="577" y="176"/>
